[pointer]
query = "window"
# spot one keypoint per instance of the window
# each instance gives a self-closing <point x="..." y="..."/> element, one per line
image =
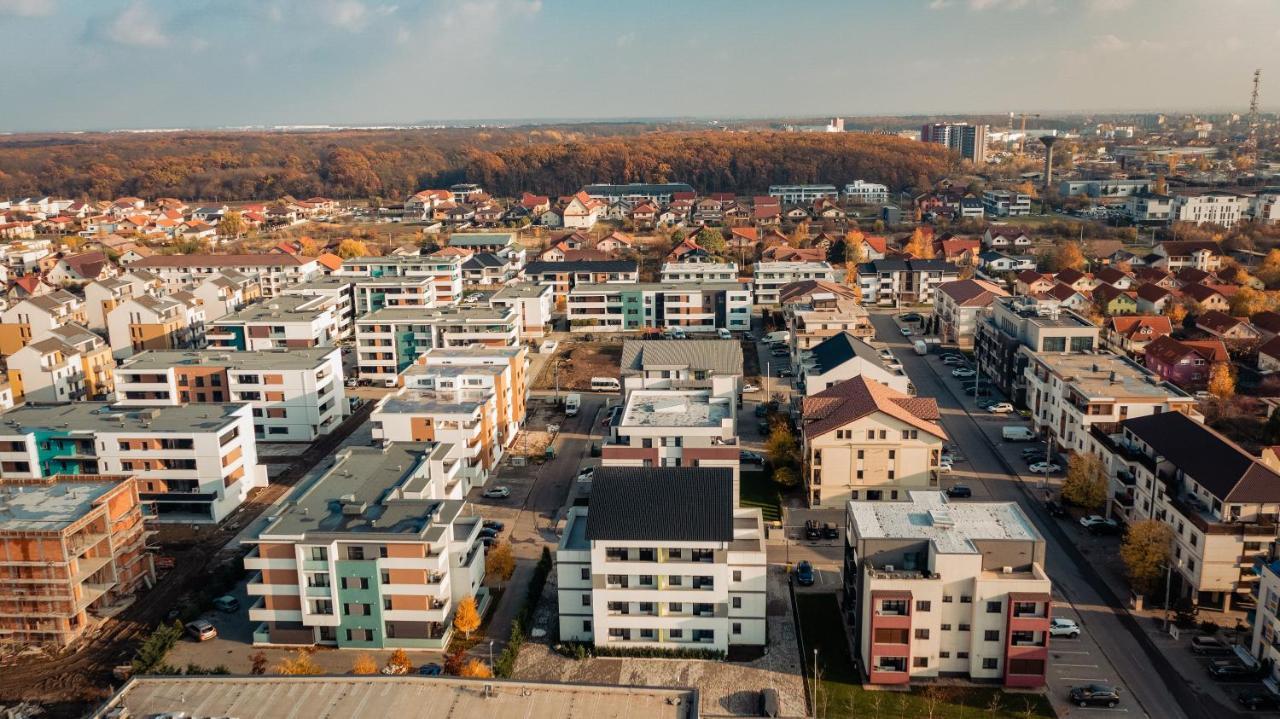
<point x="585" y="574"/>
<point x="993" y="607"/>
<point x="965" y="599"/>
<point x="675" y="607"/>
<point x="922" y="634"/>
<point x="884" y="434"/>
<point x="737" y="575"/>
<point x="319" y="554"/>
<point x="386" y="577"/>
<point x="382" y="551"/>
<point x="990" y="663"/>
<point x="946" y="599"/>
<point x="386" y="603"/>
<point x="946" y="627"/>
<point x="737" y="602"/>
<point x="944" y="655"/>
<point x="586" y="600"/>
<point x="923" y="605"/>
<point x="910" y="433"/>
<point x="860" y="454"/>
<point x="920" y="662"/>
<point x="871" y="434"/>
<point x="676" y="633"/>
<point x="964" y="627"/>
<point x="893" y="454"/>
<point x="737" y="628"/>
<point x="1026" y="666"/>
<point x="991" y="635"/>
<point x="962" y="655"/>
<point x="356" y="553"/>
<point x="890" y="636"/>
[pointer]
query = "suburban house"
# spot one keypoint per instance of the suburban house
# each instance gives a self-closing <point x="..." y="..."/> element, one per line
<point x="1130" y="334"/>
<point x="1225" y="327"/>
<point x="844" y="356"/>
<point x="1185" y="363"/>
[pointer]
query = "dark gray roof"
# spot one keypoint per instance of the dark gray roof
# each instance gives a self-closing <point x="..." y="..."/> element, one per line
<point x="897" y="265"/>
<point x="481" y="260"/>
<point x="840" y="348"/>
<point x="723" y="357"/>
<point x="678" y="504"/>
<point x="538" y="268"/>
<point x="1209" y="458"/>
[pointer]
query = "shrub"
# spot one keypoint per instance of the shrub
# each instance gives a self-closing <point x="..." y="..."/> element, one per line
<point x="154" y="648"/>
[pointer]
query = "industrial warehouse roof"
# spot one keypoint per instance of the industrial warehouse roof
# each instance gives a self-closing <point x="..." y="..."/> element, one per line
<point x="279" y="697"/>
<point x="722" y="357"/>
<point x="678" y="504"/>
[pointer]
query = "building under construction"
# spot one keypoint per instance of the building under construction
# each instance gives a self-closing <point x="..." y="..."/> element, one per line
<point x="71" y="548"/>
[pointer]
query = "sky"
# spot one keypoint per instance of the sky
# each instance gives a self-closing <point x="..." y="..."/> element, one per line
<point x="110" y="64"/>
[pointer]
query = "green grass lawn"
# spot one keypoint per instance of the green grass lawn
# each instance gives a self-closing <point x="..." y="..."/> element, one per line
<point x="758" y="490"/>
<point x="840" y="693"/>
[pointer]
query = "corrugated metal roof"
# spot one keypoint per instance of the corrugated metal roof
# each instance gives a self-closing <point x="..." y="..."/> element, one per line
<point x="723" y="357"/>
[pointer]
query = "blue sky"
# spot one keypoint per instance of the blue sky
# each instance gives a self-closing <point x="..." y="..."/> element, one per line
<point x="98" y="64"/>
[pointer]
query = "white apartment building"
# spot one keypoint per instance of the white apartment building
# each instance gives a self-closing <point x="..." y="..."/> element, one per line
<point x="32" y="319"/>
<point x="1217" y="208"/>
<point x="273" y="271"/>
<point x="894" y="282"/>
<point x="1265" y="643"/>
<point x="692" y="307"/>
<point x="340" y="291"/>
<point x="1004" y="203"/>
<point x="70" y="364"/>
<point x="376" y="554"/>
<point x="445" y="271"/>
<point x="145" y="322"/>
<point x="296" y="395"/>
<point x="1264" y="207"/>
<point x="662" y="558"/>
<point x="935" y="588"/>
<point x="867" y="193"/>
<point x="465" y="419"/>
<point x="194" y="463"/>
<point x="1070" y="393"/>
<point x="770" y="277"/>
<point x="959" y="305"/>
<point x="816" y="310"/>
<point x="391" y="339"/>
<point x="228" y="292"/>
<point x="102" y="296"/>
<point x="285" y="321"/>
<point x="803" y="194"/>
<point x="712" y="365"/>
<point x="1149" y="209"/>
<point x="532" y="304"/>
<point x="700" y="272"/>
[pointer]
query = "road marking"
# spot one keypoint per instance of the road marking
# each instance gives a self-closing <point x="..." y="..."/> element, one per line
<point x="1082" y="679"/>
<point x="1085" y="666"/>
<point x="1064" y="651"/>
<point x="1100" y="709"/>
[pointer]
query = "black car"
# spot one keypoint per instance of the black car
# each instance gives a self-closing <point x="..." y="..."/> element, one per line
<point x="1255" y="700"/>
<point x="1094" y="695"/>
<point x="959" y="491"/>
<point x="493" y="524"/>
<point x="1228" y="671"/>
<point x="812" y="530"/>
<point x="762" y="410"/>
<point x="1104" y="529"/>
<point x="830" y="531"/>
<point x="804" y="574"/>
<point x="1054" y="509"/>
<point x="911" y="317"/>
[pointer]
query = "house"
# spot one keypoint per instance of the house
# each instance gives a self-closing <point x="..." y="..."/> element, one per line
<point x="957" y="307"/>
<point x="583" y="211"/>
<point x="76" y="269"/>
<point x="1130" y="335"/>
<point x="688" y="251"/>
<point x="1065" y="296"/>
<point x="1114" y="301"/>
<point x="1115" y="277"/>
<point x="1206" y="298"/>
<point x="1191" y="275"/>
<point x="1225" y="327"/>
<point x="1185" y="363"/>
<point x="1155" y="276"/>
<point x="1006" y="240"/>
<point x="1153" y="299"/>
<point x="1201" y="254"/>
<point x="535" y="204"/>
<point x="1267" y="323"/>
<point x="874" y="247"/>
<point x="1030" y="282"/>
<point x="1269" y="355"/>
<point x="614" y="242"/>
<point x="1076" y="280"/>
<point x="864" y="441"/>
<point x="644" y="215"/>
<point x="843" y="356"/>
<point x="993" y="262"/>
<point x="959" y="250"/>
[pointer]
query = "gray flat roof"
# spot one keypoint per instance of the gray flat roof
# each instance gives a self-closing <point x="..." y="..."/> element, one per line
<point x="81" y="417"/>
<point x="1105" y="375"/>
<point x="425" y="401"/>
<point x="281" y="308"/>
<point x="674" y="286"/>
<point x="951" y="526"/>
<point x="281" y="359"/>
<point x="521" y="290"/>
<point x="427" y="314"/>
<point x="41" y="507"/>
<point x="671" y="408"/>
<point x="277" y="697"/>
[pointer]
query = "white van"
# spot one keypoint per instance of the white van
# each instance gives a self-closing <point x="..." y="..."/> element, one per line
<point x="1017" y="433"/>
<point x="724" y="334"/>
<point x="774" y="338"/>
<point x="605" y="384"/>
<point x="572" y="403"/>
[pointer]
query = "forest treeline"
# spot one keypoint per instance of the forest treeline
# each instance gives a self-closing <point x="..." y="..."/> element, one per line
<point x="228" y="166"/>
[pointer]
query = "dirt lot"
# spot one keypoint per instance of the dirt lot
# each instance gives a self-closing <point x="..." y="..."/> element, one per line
<point x="580" y="361"/>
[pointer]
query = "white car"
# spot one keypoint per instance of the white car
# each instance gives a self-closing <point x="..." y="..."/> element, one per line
<point x="1000" y="408"/>
<point x="498" y="492"/>
<point x="1093" y="519"/>
<point x="963" y="372"/>
<point x="750" y="388"/>
<point x="1059" y="627"/>
<point x="906" y="331"/>
<point x="944" y="467"/>
<point x="586" y="474"/>
<point x="1045" y="468"/>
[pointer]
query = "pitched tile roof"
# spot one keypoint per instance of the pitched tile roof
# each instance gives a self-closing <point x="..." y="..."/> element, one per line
<point x="1217" y="321"/>
<point x="1212" y="460"/>
<point x="675" y="504"/>
<point x="1141" y="326"/>
<point x="1199" y="292"/>
<point x="1267" y="321"/>
<point x="330" y="261"/>
<point x="804" y="288"/>
<point x="1153" y="293"/>
<point x="971" y="293"/>
<point x="858" y="397"/>
<point x="1271" y="347"/>
<point x="1169" y="350"/>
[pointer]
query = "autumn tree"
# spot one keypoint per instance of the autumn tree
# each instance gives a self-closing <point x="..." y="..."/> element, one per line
<point x="364" y="664"/>
<point x="1222" y="381"/>
<point x="309" y="247"/>
<point x="919" y="245"/>
<point x="711" y="240"/>
<point x="454" y="659"/>
<point x="781" y="446"/>
<point x="1069" y="255"/>
<point x="300" y="664"/>
<point x="231" y="224"/>
<point x="501" y="561"/>
<point x="1269" y="270"/>
<point x="786" y="477"/>
<point x="399" y="662"/>
<point x="1086" y="482"/>
<point x="352" y="248"/>
<point x="1248" y="301"/>
<point x="1176" y="312"/>
<point x="1145" y="553"/>
<point x="853" y="254"/>
<point x="258" y="665"/>
<point x="476" y="669"/>
<point x="466" y="619"/>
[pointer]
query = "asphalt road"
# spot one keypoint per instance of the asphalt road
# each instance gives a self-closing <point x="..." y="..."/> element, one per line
<point x="1106" y="651"/>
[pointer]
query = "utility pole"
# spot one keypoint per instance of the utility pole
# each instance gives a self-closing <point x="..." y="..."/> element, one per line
<point x="815" y="681"/>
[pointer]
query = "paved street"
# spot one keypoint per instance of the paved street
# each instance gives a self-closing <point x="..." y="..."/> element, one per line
<point x="1107" y="651"/>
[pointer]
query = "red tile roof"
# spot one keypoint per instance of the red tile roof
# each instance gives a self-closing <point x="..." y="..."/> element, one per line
<point x="855" y="398"/>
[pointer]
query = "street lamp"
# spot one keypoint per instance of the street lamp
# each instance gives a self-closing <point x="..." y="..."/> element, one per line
<point x="1168" y="585"/>
<point x="814" y="705"/>
<point x="491" y="654"/>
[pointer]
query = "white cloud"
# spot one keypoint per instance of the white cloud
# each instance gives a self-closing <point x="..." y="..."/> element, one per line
<point x="939" y="4"/>
<point x="1109" y="43"/>
<point x="1106" y="7"/>
<point x="625" y="40"/>
<point x="27" y="8"/>
<point x="980" y="5"/>
<point x="136" y="26"/>
<point x="346" y="14"/>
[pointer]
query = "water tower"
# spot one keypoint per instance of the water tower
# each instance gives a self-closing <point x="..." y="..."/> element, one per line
<point x="1048" y="141"/>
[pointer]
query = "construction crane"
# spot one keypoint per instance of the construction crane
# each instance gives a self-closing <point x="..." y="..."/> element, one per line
<point x="1022" y="139"/>
<point x="1251" y="145"/>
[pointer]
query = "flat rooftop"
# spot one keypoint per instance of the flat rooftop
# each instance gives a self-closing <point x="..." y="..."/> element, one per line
<point x="281" y="308"/>
<point x="791" y="266"/>
<point x="459" y="352"/>
<point x="677" y="286"/>
<point x="671" y="408"/>
<point x="365" y="493"/>
<point x="425" y="401"/>
<point x="1042" y="316"/>
<point x="84" y="417"/>
<point x="453" y="370"/>
<point x="430" y="314"/>
<point x="1102" y="376"/>
<point x="276" y="697"/>
<point x="952" y="527"/>
<point x="522" y="290"/>
<point x="274" y="359"/>
<point x="53" y="504"/>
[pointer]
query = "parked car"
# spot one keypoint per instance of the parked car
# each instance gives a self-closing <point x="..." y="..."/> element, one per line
<point x="1095" y="695"/>
<point x="959" y="491"/>
<point x="786" y="372"/>
<point x="763" y="426"/>
<point x="1258" y="700"/>
<point x="962" y="372"/>
<point x="1231" y="671"/>
<point x="1054" y="509"/>
<point x="493" y="524"/>
<point x="1060" y="627"/>
<point x="202" y="630"/>
<point x="227" y="603"/>
<point x="812" y="530"/>
<point x="497" y="492"/>
<point x="952" y="359"/>
<point x="1045" y="468"/>
<point x="1000" y="408"/>
<point x="906" y="331"/>
<point x="974" y="390"/>
<point x="1093" y="519"/>
<point x="945" y="467"/>
<point x="586" y="474"/>
<point x="804" y="574"/>
<point x="762" y="410"/>
<point x="750" y="457"/>
<point x="750" y="387"/>
<point x="910" y="317"/>
<point x="430" y="670"/>
<point x="1210" y="647"/>
<point x="830" y="531"/>
<point x="488" y="532"/>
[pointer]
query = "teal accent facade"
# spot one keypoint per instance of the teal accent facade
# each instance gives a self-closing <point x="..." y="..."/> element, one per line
<point x="237" y="338"/>
<point x="56" y="451"/>
<point x="350" y="572"/>
<point x="632" y="310"/>
<point x="406" y="349"/>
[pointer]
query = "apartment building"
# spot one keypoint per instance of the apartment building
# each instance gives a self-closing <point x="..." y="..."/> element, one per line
<point x="1005" y="203"/>
<point x="968" y="140"/>
<point x="660" y="193"/>
<point x="504" y="370"/>
<point x="842" y="357"/>
<point x="770" y="277"/>
<point x="1265" y="642"/>
<point x="285" y="320"/>
<point x="228" y="292"/>
<point x="959" y="305"/>
<point x="274" y="271"/>
<point x="711" y="365"/>
<point x="803" y="194"/>
<point x="1149" y="209"/>
<point x="1219" y="501"/>
<point x="865" y="441"/>
<point x="174" y="321"/>
<point x="1070" y="393"/>
<point x="1107" y="187"/>
<point x="32" y="319"/>
<point x="194" y="463"/>
<point x="102" y="296"/>
<point x="371" y="556"/>
<point x="699" y="272"/>
<point x="68" y="365"/>
<point x="934" y="588"/>
<point x="391" y="339"/>
<point x="1215" y="208"/>
<point x="662" y="558"/>
<point x="340" y="291"/>
<point x="867" y="193"/>
<point x="638" y="306"/>
<point x="72" y="546"/>
<point x="815" y="310"/>
<point x="296" y="395"/>
<point x="1043" y="327"/>
<point x="532" y="305"/>
<point x="445" y="271"/>
<point x="895" y="283"/>
<point x="563" y="277"/>
<point x="675" y="428"/>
